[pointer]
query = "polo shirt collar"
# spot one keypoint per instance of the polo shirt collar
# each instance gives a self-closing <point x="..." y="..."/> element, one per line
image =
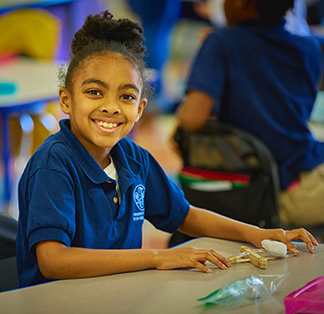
<point x="127" y="167"/>
<point x="89" y="165"/>
<point x="124" y="162"/>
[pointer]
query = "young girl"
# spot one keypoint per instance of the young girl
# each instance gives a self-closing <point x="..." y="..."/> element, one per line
<point x="86" y="191"/>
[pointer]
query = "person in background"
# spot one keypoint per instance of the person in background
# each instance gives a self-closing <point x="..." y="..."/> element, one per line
<point x="296" y="17"/>
<point x="86" y="191"/>
<point x="259" y="77"/>
<point x="158" y="19"/>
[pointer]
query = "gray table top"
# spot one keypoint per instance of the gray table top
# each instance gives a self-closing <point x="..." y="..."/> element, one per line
<point x="165" y="291"/>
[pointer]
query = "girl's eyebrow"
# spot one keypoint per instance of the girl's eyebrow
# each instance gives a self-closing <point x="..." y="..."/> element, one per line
<point x="96" y="81"/>
<point x="126" y="86"/>
<point x="103" y="84"/>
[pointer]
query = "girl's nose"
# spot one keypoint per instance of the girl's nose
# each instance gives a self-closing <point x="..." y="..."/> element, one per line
<point x="111" y="111"/>
<point x="111" y="108"/>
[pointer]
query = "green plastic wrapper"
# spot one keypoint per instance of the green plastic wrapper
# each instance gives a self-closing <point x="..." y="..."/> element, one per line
<point x="245" y="291"/>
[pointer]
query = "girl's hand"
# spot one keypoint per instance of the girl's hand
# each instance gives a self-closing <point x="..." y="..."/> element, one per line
<point x="190" y="257"/>
<point x="285" y="237"/>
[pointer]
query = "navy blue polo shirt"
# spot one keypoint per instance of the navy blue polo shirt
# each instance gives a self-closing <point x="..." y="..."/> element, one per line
<point x="264" y="80"/>
<point x="64" y="195"/>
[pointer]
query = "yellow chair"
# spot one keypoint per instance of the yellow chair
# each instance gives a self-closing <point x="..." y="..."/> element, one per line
<point x="31" y="32"/>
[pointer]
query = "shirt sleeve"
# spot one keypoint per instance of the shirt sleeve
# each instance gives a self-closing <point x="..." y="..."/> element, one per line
<point x="208" y="70"/>
<point x="165" y="204"/>
<point x="51" y="208"/>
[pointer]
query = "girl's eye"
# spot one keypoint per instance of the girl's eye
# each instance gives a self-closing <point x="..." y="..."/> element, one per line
<point x="94" y="92"/>
<point x="128" y="97"/>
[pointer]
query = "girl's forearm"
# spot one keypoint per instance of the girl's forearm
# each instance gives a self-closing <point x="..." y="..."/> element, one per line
<point x="56" y="261"/>
<point x="200" y="222"/>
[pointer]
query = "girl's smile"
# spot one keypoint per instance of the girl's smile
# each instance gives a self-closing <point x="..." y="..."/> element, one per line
<point x="107" y="126"/>
<point x="104" y="104"/>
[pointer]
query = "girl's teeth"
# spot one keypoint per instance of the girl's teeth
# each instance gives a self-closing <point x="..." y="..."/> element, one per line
<point x="107" y="125"/>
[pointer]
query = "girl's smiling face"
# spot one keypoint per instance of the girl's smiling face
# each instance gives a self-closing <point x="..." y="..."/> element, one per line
<point x="104" y="104"/>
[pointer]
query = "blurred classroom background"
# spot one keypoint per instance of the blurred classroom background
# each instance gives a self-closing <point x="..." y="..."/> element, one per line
<point x="42" y="31"/>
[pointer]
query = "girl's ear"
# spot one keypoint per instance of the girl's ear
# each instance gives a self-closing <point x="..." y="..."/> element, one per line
<point x="141" y="107"/>
<point x="65" y="100"/>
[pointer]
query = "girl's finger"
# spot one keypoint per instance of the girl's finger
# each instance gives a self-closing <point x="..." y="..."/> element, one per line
<point x="202" y="267"/>
<point x="214" y="260"/>
<point x="291" y="247"/>
<point x="220" y="257"/>
<point x="303" y="235"/>
<point x="312" y="238"/>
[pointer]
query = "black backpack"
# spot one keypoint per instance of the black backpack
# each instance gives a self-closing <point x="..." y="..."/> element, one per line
<point x="228" y="171"/>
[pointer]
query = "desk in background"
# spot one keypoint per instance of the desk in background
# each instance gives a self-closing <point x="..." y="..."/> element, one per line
<point x="164" y="291"/>
<point x="36" y="83"/>
<point x="71" y="13"/>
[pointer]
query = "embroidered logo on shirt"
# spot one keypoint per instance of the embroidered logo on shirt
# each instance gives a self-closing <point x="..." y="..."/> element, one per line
<point x="138" y="195"/>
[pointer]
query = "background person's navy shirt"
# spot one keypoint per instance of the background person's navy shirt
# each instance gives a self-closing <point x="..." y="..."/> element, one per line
<point x="264" y="80"/>
<point x="64" y="195"/>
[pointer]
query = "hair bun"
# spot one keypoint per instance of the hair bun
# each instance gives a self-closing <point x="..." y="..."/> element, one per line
<point x="103" y="27"/>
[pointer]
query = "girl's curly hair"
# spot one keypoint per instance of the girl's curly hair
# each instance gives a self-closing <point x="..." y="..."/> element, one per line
<point x="103" y="27"/>
<point x="101" y="33"/>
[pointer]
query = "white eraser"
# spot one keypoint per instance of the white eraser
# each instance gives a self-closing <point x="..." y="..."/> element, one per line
<point x="275" y="247"/>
